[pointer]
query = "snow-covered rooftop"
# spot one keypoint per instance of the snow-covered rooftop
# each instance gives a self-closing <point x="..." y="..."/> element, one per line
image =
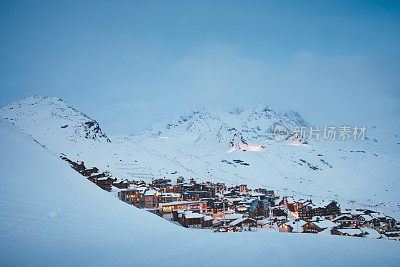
<point x="325" y="224"/>
<point x="240" y="220"/>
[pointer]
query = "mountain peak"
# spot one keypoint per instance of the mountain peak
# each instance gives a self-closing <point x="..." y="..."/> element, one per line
<point x="49" y="116"/>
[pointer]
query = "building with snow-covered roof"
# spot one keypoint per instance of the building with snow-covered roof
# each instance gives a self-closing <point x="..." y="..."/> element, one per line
<point x="233" y="201"/>
<point x="229" y="217"/>
<point x="292" y="226"/>
<point x="183" y="205"/>
<point x="169" y="197"/>
<point x="309" y="210"/>
<point x="150" y="199"/>
<point x="132" y="196"/>
<point x="257" y="195"/>
<point x="192" y="219"/>
<point x="244" y="222"/>
<point x="265" y="222"/>
<point x="371" y="233"/>
<point x="208" y="221"/>
<point x="278" y="212"/>
<point x="105" y="183"/>
<point x="265" y="191"/>
<point x="197" y="191"/>
<point x="121" y="184"/>
<point x="347" y="231"/>
<point x="365" y="218"/>
<point x="89" y="172"/>
<point x="393" y="234"/>
<point x="347" y="220"/>
<point x="161" y="183"/>
<point x="318" y="226"/>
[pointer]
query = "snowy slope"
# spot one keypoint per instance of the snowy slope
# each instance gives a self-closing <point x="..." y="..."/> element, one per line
<point x="195" y="145"/>
<point x="50" y="215"/>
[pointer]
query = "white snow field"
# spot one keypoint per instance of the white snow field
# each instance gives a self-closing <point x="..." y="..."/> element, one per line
<point x="362" y="174"/>
<point x="52" y="216"/>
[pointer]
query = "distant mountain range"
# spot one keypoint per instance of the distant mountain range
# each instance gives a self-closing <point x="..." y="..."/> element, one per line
<point x="235" y="146"/>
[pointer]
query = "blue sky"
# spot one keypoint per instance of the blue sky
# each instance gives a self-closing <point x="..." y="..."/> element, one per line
<point x="129" y="63"/>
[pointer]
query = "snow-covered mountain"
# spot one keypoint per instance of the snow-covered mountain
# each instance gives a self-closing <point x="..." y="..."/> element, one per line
<point x="196" y="145"/>
<point x="237" y="126"/>
<point x="49" y="118"/>
<point x="51" y="215"/>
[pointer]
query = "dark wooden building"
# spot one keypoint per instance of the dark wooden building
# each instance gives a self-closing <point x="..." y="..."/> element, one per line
<point x="307" y="212"/>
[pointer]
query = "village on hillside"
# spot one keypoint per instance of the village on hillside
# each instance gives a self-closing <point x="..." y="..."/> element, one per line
<point x="214" y="206"/>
